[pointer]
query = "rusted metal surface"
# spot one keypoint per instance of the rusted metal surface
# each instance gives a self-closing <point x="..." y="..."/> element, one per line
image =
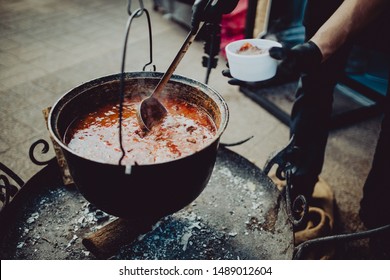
<point x="239" y="215"/>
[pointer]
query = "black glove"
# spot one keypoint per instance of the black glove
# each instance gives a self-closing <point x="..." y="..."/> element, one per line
<point x="210" y="11"/>
<point x="281" y="77"/>
<point x="302" y="58"/>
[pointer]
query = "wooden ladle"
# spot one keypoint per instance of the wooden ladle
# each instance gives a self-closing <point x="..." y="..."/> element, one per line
<point x="150" y="111"/>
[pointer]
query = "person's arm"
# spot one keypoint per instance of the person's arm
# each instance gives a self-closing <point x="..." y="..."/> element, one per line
<point x="347" y="20"/>
<point x="210" y="10"/>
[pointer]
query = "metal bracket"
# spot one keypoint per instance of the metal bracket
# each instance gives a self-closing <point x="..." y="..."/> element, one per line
<point x="7" y="189"/>
<point x="301" y="248"/>
<point x="298" y="208"/>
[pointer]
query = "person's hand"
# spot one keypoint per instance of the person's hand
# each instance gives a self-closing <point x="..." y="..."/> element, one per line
<point x="210" y="11"/>
<point x="282" y="76"/>
<point x="302" y="58"/>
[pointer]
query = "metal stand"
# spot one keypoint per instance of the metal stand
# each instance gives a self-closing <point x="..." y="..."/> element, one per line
<point x="338" y="120"/>
<point x="297" y="210"/>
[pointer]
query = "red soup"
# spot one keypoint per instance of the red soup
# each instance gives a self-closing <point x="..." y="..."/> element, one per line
<point x="185" y="130"/>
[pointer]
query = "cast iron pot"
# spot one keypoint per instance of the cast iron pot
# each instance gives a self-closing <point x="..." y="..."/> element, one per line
<point x="150" y="191"/>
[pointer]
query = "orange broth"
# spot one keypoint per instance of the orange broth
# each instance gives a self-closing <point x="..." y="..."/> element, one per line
<point x="185" y="130"/>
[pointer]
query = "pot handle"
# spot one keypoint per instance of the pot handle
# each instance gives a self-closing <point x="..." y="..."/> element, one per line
<point x="136" y="14"/>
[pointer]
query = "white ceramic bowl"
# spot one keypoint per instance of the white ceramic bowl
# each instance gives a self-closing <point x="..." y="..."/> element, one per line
<point x="252" y="67"/>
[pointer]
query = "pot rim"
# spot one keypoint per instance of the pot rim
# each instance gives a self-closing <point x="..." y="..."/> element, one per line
<point x="135" y="75"/>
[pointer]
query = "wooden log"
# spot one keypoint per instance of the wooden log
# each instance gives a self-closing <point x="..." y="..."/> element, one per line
<point x="107" y="241"/>
<point x="66" y="177"/>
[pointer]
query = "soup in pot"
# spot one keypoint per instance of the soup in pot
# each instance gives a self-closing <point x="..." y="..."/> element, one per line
<point x="187" y="128"/>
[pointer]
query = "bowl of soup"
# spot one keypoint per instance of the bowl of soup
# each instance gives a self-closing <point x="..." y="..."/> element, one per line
<point x="161" y="171"/>
<point x="249" y="59"/>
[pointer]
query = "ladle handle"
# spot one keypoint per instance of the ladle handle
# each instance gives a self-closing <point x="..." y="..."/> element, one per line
<point x="167" y="75"/>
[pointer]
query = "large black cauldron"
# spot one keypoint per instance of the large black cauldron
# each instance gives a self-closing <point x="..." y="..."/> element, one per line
<point x="151" y="191"/>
